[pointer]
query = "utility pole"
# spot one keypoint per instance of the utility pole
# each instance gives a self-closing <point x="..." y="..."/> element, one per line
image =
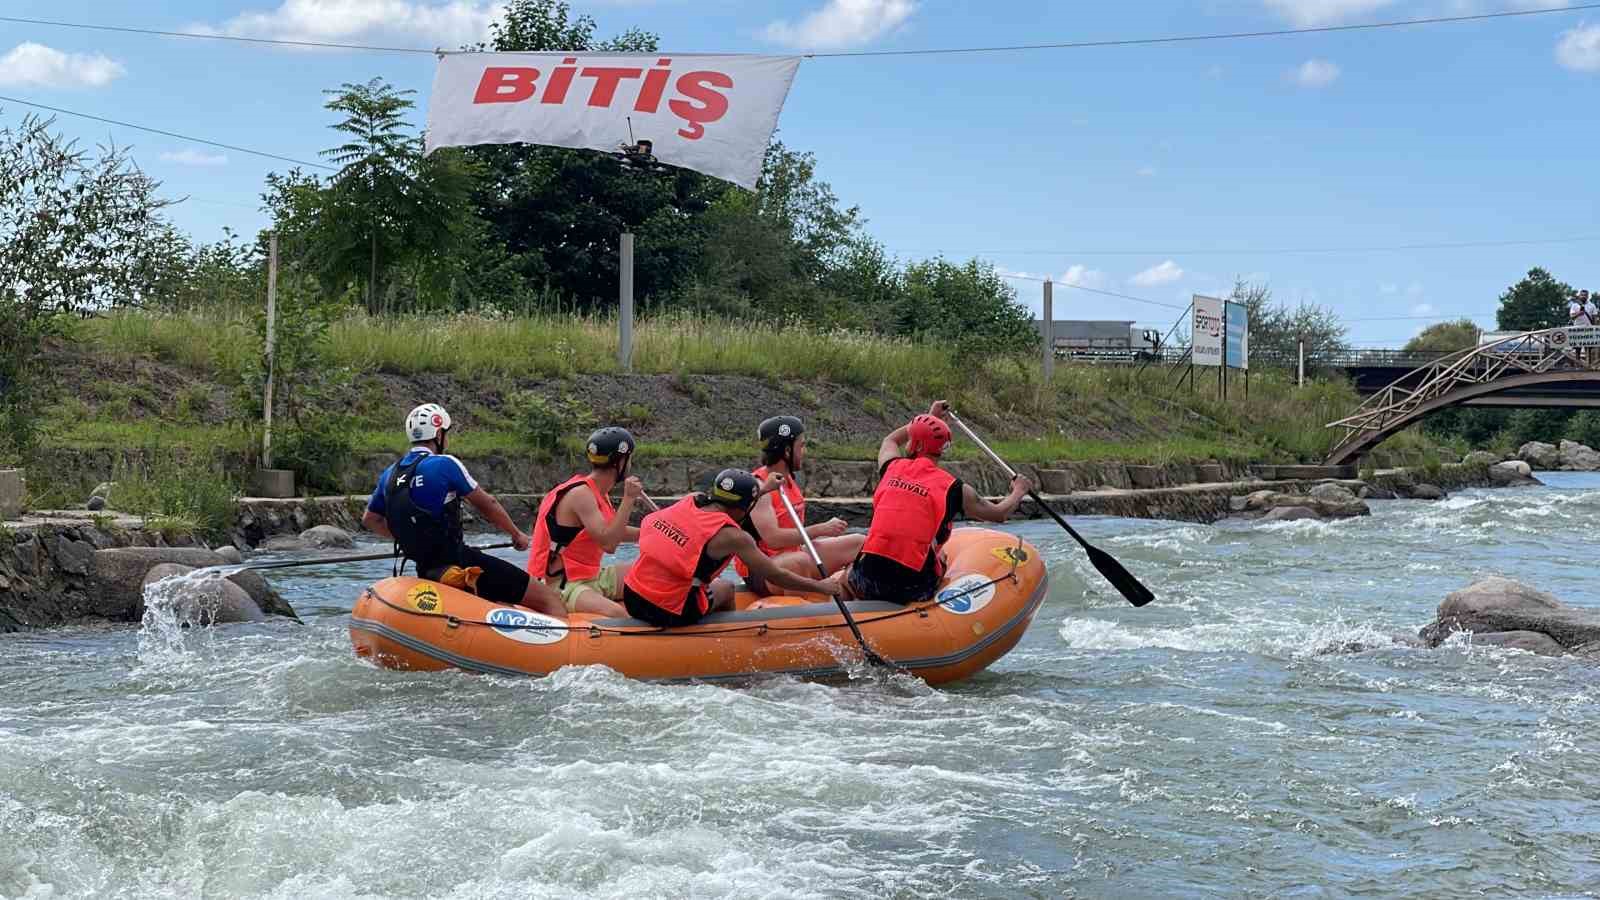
<point x="272" y="347"/>
<point x="625" y="313"/>
<point x="1049" y="332"/>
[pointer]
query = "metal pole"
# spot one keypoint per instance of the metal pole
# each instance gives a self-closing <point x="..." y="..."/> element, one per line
<point x="625" y="314"/>
<point x="1049" y="331"/>
<point x="272" y="348"/>
<point x="1300" y="376"/>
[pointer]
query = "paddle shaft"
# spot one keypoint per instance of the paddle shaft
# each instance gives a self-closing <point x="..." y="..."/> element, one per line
<point x="822" y="571"/>
<point x="332" y="560"/>
<point x="1033" y="495"/>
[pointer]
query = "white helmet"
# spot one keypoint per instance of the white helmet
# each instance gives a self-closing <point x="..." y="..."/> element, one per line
<point x="425" y="422"/>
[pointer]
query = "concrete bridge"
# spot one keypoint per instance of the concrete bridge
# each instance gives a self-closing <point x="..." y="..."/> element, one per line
<point x="1538" y="368"/>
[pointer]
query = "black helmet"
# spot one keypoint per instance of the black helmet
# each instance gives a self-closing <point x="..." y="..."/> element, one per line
<point x="779" y="433"/>
<point x="611" y="446"/>
<point x="736" y="488"/>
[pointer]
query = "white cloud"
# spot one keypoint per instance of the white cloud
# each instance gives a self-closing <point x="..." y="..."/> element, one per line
<point x="191" y="157"/>
<point x="1315" y="73"/>
<point x="1423" y="309"/>
<point x="842" y="23"/>
<point x="1388" y="287"/>
<point x="1083" y="276"/>
<point x="1146" y="171"/>
<point x="1579" y="49"/>
<point x="35" y="64"/>
<point x="1312" y="13"/>
<point x="445" y="24"/>
<point x="1166" y="273"/>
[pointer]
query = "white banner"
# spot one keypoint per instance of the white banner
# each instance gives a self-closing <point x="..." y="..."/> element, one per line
<point x="713" y="114"/>
<point x="1207" y="331"/>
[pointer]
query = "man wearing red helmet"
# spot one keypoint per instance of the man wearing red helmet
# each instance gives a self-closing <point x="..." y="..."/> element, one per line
<point x="912" y="512"/>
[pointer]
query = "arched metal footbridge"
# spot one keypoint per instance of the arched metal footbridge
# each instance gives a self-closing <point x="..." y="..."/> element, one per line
<point x="1539" y="368"/>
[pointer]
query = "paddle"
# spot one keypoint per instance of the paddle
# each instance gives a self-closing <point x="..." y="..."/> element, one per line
<point x="871" y="654"/>
<point x="1114" y="572"/>
<point x="332" y="560"/>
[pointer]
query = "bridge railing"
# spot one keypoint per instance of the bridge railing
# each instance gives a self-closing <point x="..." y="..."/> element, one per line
<point x="1348" y="358"/>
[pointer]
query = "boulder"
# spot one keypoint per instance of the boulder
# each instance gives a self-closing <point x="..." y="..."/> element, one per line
<point x="1497" y="605"/>
<point x="1576" y="457"/>
<point x="284" y="543"/>
<point x="73" y="557"/>
<point x="1260" y="503"/>
<point x="1374" y="492"/>
<point x="213" y="601"/>
<point x="1512" y="473"/>
<point x="119" y="576"/>
<point x="324" y="537"/>
<point x="95" y="504"/>
<point x="1425" y="492"/>
<point x="1480" y="458"/>
<point x="230" y="553"/>
<point x="1540" y="455"/>
<point x="1333" y="492"/>
<point x="1531" y="641"/>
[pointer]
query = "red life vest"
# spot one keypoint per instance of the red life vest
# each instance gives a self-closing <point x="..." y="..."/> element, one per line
<point x="580" y="556"/>
<point x="672" y="560"/>
<point x="796" y="497"/>
<point x="909" y="515"/>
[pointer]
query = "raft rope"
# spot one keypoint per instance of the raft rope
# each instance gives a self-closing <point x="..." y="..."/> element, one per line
<point x="757" y="628"/>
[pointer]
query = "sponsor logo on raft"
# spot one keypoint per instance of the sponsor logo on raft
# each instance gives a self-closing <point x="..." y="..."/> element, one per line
<point x="966" y="595"/>
<point x="527" y="627"/>
<point x="424" y="599"/>
<point x="673" y="532"/>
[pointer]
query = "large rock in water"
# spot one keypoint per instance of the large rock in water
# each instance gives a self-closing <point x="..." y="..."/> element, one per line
<point x="1480" y="458"/>
<point x="1425" y="492"/>
<point x="1496" y="609"/>
<point x="1576" y="457"/>
<point x="211" y="601"/>
<point x="1539" y="455"/>
<point x="119" y="575"/>
<point x="1512" y="473"/>
<point x="325" y="536"/>
<point x="1331" y="504"/>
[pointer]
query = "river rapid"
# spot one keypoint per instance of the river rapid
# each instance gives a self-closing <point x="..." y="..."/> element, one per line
<point x="1234" y="739"/>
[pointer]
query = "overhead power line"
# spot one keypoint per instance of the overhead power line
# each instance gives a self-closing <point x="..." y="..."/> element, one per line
<point x="843" y="54"/>
<point x="1390" y="248"/>
<point x="172" y="134"/>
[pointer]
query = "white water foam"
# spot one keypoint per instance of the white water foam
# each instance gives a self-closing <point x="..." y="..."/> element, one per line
<point x="174" y="606"/>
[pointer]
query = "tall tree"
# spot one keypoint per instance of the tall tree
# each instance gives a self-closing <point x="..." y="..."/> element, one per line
<point x="79" y="234"/>
<point x="1277" y="329"/>
<point x="560" y="212"/>
<point x="1537" y="301"/>
<point x="1446" y="336"/>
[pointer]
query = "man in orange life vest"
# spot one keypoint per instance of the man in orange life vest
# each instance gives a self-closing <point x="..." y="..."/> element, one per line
<point x="576" y="526"/>
<point x="683" y="548"/>
<point x="912" y="511"/>
<point x="784" y="451"/>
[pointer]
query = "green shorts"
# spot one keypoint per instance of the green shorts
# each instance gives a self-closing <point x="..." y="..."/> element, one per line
<point x="607" y="584"/>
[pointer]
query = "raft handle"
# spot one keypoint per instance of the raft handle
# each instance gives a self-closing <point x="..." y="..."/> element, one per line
<point x="452" y="622"/>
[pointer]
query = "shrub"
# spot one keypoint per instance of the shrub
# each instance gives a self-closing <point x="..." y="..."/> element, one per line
<point x="318" y="451"/>
<point x="178" y="493"/>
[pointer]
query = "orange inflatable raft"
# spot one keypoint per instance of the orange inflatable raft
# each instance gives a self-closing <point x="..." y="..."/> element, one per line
<point x="994" y="585"/>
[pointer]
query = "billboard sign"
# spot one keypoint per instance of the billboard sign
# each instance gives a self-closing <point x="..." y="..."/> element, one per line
<point x="1207" y="331"/>
<point x="1237" y="351"/>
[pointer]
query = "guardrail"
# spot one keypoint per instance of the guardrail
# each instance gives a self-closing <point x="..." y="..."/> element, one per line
<point x="1396" y="359"/>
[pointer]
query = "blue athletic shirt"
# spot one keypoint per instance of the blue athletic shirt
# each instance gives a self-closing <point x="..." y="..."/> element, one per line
<point x="439" y="480"/>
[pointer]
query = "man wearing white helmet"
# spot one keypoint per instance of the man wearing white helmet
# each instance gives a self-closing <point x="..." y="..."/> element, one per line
<point x="418" y="505"/>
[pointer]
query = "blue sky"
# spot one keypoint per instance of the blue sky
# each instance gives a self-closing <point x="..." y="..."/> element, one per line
<point x="1039" y="161"/>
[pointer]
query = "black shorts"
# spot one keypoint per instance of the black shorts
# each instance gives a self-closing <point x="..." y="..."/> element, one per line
<point x="645" y="611"/>
<point x="501" y="581"/>
<point x="876" y="578"/>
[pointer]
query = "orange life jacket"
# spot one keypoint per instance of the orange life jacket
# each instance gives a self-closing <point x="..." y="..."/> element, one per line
<point x="580" y="556"/>
<point x="909" y="515"/>
<point x="796" y="497"/>
<point x="672" y="561"/>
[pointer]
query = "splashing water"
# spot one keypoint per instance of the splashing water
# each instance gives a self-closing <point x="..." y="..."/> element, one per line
<point x="174" y="607"/>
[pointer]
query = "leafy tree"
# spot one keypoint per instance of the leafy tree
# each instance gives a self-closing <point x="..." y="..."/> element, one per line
<point x="1537" y="301"/>
<point x="969" y="306"/>
<point x="559" y="212"/>
<point x="79" y="234"/>
<point x="1446" y="337"/>
<point x="1275" y="329"/>
<point x="391" y="221"/>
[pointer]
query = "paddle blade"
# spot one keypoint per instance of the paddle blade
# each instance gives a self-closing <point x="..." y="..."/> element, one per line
<point x="1128" y="586"/>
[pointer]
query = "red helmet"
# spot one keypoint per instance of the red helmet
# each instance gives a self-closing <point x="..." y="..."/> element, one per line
<point x="929" y="436"/>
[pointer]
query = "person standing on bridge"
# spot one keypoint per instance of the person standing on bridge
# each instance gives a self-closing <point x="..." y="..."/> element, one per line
<point x="1579" y="309"/>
